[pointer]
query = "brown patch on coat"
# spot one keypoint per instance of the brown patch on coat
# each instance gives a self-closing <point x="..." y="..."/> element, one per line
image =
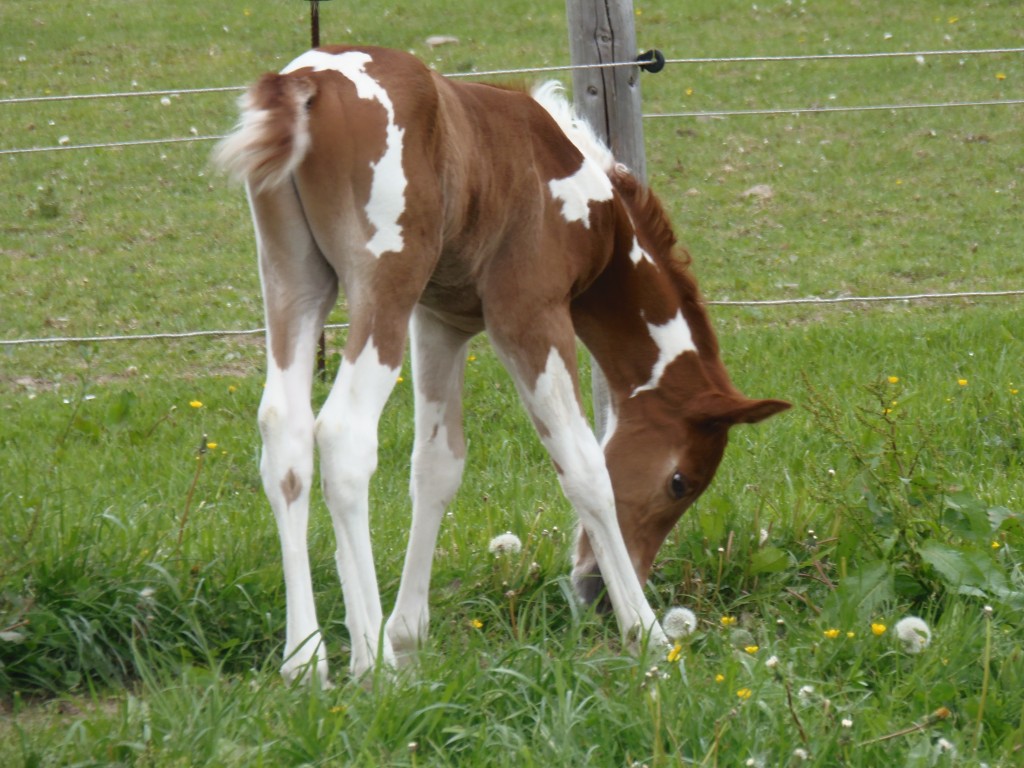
<point x="291" y="487"/>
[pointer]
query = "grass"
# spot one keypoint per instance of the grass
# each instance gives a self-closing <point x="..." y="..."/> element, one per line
<point x="141" y="602"/>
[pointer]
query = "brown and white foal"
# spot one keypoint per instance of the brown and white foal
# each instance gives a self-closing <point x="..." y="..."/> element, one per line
<point x="444" y="209"/>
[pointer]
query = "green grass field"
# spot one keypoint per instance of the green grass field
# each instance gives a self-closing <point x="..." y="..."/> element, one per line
<point x="141" y="599"/>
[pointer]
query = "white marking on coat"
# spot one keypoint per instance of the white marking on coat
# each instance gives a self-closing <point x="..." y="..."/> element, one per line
<point x="672" y="339"/>
<point x="436" y="474"/>
<point x="551" y="96"/>
<point x="588" y="185"/>
<point x="387" y="191"/>
<point x="566" y="433"/>
<point x="585" y="480"/>
<point x="638" y="254"/>
<point x="346" y="433"/>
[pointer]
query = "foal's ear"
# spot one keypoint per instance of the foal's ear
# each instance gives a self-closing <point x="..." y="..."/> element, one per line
<point x="726" y="410"/>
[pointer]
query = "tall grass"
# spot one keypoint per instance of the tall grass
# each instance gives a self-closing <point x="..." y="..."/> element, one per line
<point x="141" y="603"/>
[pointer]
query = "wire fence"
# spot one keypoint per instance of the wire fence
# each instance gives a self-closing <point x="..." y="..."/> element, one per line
<point x="852" y="56"/>
<point x="821" y="301"/>
<point x="548" y="69"/>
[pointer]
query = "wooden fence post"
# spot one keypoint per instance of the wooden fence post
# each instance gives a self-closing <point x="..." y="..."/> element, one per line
<point x="603" y="32"/>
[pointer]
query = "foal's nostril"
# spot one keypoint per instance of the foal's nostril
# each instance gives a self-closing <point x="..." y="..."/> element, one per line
<point x="590" y="589"/>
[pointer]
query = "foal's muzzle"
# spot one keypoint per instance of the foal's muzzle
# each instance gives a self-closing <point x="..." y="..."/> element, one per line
<point x="589" y="586"/>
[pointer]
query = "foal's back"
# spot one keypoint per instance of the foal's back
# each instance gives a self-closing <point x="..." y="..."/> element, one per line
<point x="457" y="189"/>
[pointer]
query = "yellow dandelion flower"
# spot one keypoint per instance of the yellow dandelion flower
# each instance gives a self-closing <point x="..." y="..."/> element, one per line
<point x="894" y="379"/>
<point x="719" y="678"/>
<point x="851" y="635"/>
<point x="400" y="379"/>
<point x="953" y="20"/>
<point x="1000" y="75"/>
<point x="996" y="545"/>
<point x="211" y="446"/>
<point x="728" y="621"/>
<point x="476" y="624"/>
<point x="471" y="358"/>
<point x="962" y="382"/>
<point x="831" y="634"/>
<point x="195" y="403"/>
<point x="744" y="693"/>
<point x="232" y="388"/>
<point x="878" y="629"/>
<point x="688" y="91"/>
<point x="338" y="709"/>
<point x="675" y="653"/>
<point x="751" y="649"/>
<point x="1014" y="391"/>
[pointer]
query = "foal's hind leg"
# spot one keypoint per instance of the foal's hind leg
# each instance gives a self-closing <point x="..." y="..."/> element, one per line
<point x="438" y="458"/>
<point x="298" y="289"/>
<point x="382" y="293"/>
<point x="346" y="433"/>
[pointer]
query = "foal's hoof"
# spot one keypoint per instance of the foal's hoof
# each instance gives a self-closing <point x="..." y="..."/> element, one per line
<point x="302" y="673"/>
<point x="590" y="588"/>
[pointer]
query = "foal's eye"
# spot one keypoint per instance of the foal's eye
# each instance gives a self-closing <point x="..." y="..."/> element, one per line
<point x="677" y="486"/>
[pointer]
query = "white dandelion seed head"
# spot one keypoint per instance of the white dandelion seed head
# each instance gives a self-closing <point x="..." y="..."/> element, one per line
<point x="913" y="633"/>
<point x="944" y="745"/>
<point x="801" y="754"/>
<point x="505" y="544"/>
<point x="772" y="662"/>
<point x="679" y="622"/>
<point x="846" y="722"/>
<point x="806" y="691"/>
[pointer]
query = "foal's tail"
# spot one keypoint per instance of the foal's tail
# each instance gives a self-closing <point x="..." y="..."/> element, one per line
<point x="272" y="136"/>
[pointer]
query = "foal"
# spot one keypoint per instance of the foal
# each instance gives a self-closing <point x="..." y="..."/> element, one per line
<point x="444" y="209"/>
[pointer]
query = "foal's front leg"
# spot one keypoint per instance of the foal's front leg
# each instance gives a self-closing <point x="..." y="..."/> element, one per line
<point x="549" y="391"/>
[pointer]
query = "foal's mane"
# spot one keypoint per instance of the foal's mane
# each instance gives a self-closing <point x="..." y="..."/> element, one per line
<point x="649" y="218"/>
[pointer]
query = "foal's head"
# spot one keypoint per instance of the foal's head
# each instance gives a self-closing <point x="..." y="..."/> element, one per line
<point x="665" y="438"/>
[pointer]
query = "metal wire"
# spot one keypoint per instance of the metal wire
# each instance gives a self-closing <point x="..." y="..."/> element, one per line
<point x="335" y="326"/>
<point x="858" y="299"/>
<point x="646" y="116"/>
<point x="839" y="56"/>
<point x="118" y="95"/>
<point x="823" y="110"/>
<point x="145" y="336"/>
<point x="547" y="69"/>
<point x="109" y="144"/>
